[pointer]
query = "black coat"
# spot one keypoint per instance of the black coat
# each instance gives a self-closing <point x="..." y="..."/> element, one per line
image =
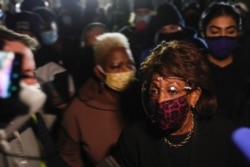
<point x="229" y="82"/>
<point x="211" y="146"/>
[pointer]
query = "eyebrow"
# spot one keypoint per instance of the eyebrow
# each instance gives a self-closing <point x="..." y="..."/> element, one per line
<point x="155" y="81"/>
<point x="229" y="27"/>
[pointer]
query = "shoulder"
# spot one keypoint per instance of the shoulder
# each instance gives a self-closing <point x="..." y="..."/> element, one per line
<point x="216" y="126"/>
<point x="47" y="71"/>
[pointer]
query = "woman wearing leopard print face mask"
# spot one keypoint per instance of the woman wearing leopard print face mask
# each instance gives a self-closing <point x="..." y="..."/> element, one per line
<point x="182" y="129"/>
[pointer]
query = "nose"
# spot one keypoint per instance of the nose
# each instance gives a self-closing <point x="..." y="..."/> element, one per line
<point x="162" y="97"/>
<point x="223" y="32"/>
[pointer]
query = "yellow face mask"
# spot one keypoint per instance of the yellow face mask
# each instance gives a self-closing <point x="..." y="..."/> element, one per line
<point x="119" y="81"/>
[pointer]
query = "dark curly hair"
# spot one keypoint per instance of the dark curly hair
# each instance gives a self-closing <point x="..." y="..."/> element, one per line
<point x="184" y="60"/>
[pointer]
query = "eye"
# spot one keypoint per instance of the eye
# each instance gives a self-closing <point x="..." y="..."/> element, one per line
<point x="172" y="90"/>
<point x="214" y="31"/>
<point x="232" y="31"/>
<point x="153" y="92"/>
<point x="131" y="66"/>
<point x="115" y="67"/>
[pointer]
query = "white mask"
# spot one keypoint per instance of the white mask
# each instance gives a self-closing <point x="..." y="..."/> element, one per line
<point x="32" y="96"/>
<point x="145" y="18"/>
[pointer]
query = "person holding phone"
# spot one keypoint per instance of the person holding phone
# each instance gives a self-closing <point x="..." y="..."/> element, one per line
<point x="23" y="122"/>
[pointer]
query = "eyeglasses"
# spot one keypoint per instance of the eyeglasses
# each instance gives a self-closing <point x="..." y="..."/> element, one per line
<point x="167" y="88"/>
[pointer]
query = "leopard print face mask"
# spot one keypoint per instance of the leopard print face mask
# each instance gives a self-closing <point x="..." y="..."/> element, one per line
<point x="172" y="114"/>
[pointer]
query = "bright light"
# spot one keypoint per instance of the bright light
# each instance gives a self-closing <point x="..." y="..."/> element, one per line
<point x="17" y="7"/>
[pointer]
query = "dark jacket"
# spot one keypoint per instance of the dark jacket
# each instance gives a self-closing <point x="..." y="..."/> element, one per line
<point x="27" y="141"/>
<point x="142" y="146"/>
<point x="229" y="81"/>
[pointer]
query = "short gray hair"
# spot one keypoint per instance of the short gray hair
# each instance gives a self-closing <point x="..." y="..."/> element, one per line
<point x="107" y="41"/>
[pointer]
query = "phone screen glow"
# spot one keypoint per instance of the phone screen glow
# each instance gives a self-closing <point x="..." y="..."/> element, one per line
<point x="6" y="64"/>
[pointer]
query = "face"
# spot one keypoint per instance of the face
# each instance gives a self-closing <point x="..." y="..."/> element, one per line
<point x="29" y="33"/>
<point x="171" y="28"/>
<point x="50" y="26"/>
<point x="91" y="36"/>
<point x="167" y="88"/>
<point x="28" y="65"/>
<point x="222" y="26"/>
<point x="119" y="60"/>
<point x="142" y="12"/>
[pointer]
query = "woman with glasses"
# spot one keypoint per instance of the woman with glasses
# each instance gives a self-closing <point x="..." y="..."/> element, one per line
<point x="181" y="130"/>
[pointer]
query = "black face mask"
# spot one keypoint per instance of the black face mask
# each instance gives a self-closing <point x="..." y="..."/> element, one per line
<point x="170" y="37"/>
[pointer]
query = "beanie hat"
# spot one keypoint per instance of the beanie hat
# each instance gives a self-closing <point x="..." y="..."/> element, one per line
<point x="45" y="13"/>
<point x="27" y="21"/>
<point x="29" y="5"/>
<point x="168" y="14"/>
<point x="143" y="4"/>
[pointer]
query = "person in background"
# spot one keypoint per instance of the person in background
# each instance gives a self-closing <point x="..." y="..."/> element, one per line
<point x="84" y="64"/>
<point x="30" y="5"/>
<point x="48" y="67"/>
<point x="54" y="78"/>
<point x="191" y="14"/>
<point x="118" y="14"/>
<point x="220" y="26"/>
<point x="26" y="22"/>
<point x="2" y="14"/>
<point x="70" y="22"/>
<point x="94" y="120"/>
<point x="94" y="13"/>
<point x="50" y="40"/>
<point x="170" y="25"/>
<point x="181" y="128"/>
<point x="138" y="32"/>
<point x="23" y="121"/>
<point x="245" y="31"/>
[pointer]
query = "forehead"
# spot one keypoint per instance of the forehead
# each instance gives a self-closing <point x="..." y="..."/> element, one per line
<point x="141" y="11"/>
<point x="170" y="28"/>
<point x="156" y="78"/>
<point x="222" y="21"/>
<point x="18" y="47"/>
<point x="94" y="32"/>
<point x="119" y="54"/>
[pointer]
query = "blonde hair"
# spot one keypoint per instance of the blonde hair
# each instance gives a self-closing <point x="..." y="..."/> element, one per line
<point x="107" y="41"/>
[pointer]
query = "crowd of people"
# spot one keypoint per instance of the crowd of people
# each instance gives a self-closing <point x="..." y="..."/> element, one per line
<point x="158" y="84"/>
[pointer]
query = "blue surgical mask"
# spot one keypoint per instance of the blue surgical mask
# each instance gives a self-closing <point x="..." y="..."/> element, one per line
<point x="1" y="13"/>
<point x="49" y="37"/>
<point x="221" y="47"/>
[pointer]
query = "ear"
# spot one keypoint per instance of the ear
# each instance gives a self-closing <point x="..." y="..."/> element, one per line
<point x="194" y="96"/>
<point x="99" y="72"/>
